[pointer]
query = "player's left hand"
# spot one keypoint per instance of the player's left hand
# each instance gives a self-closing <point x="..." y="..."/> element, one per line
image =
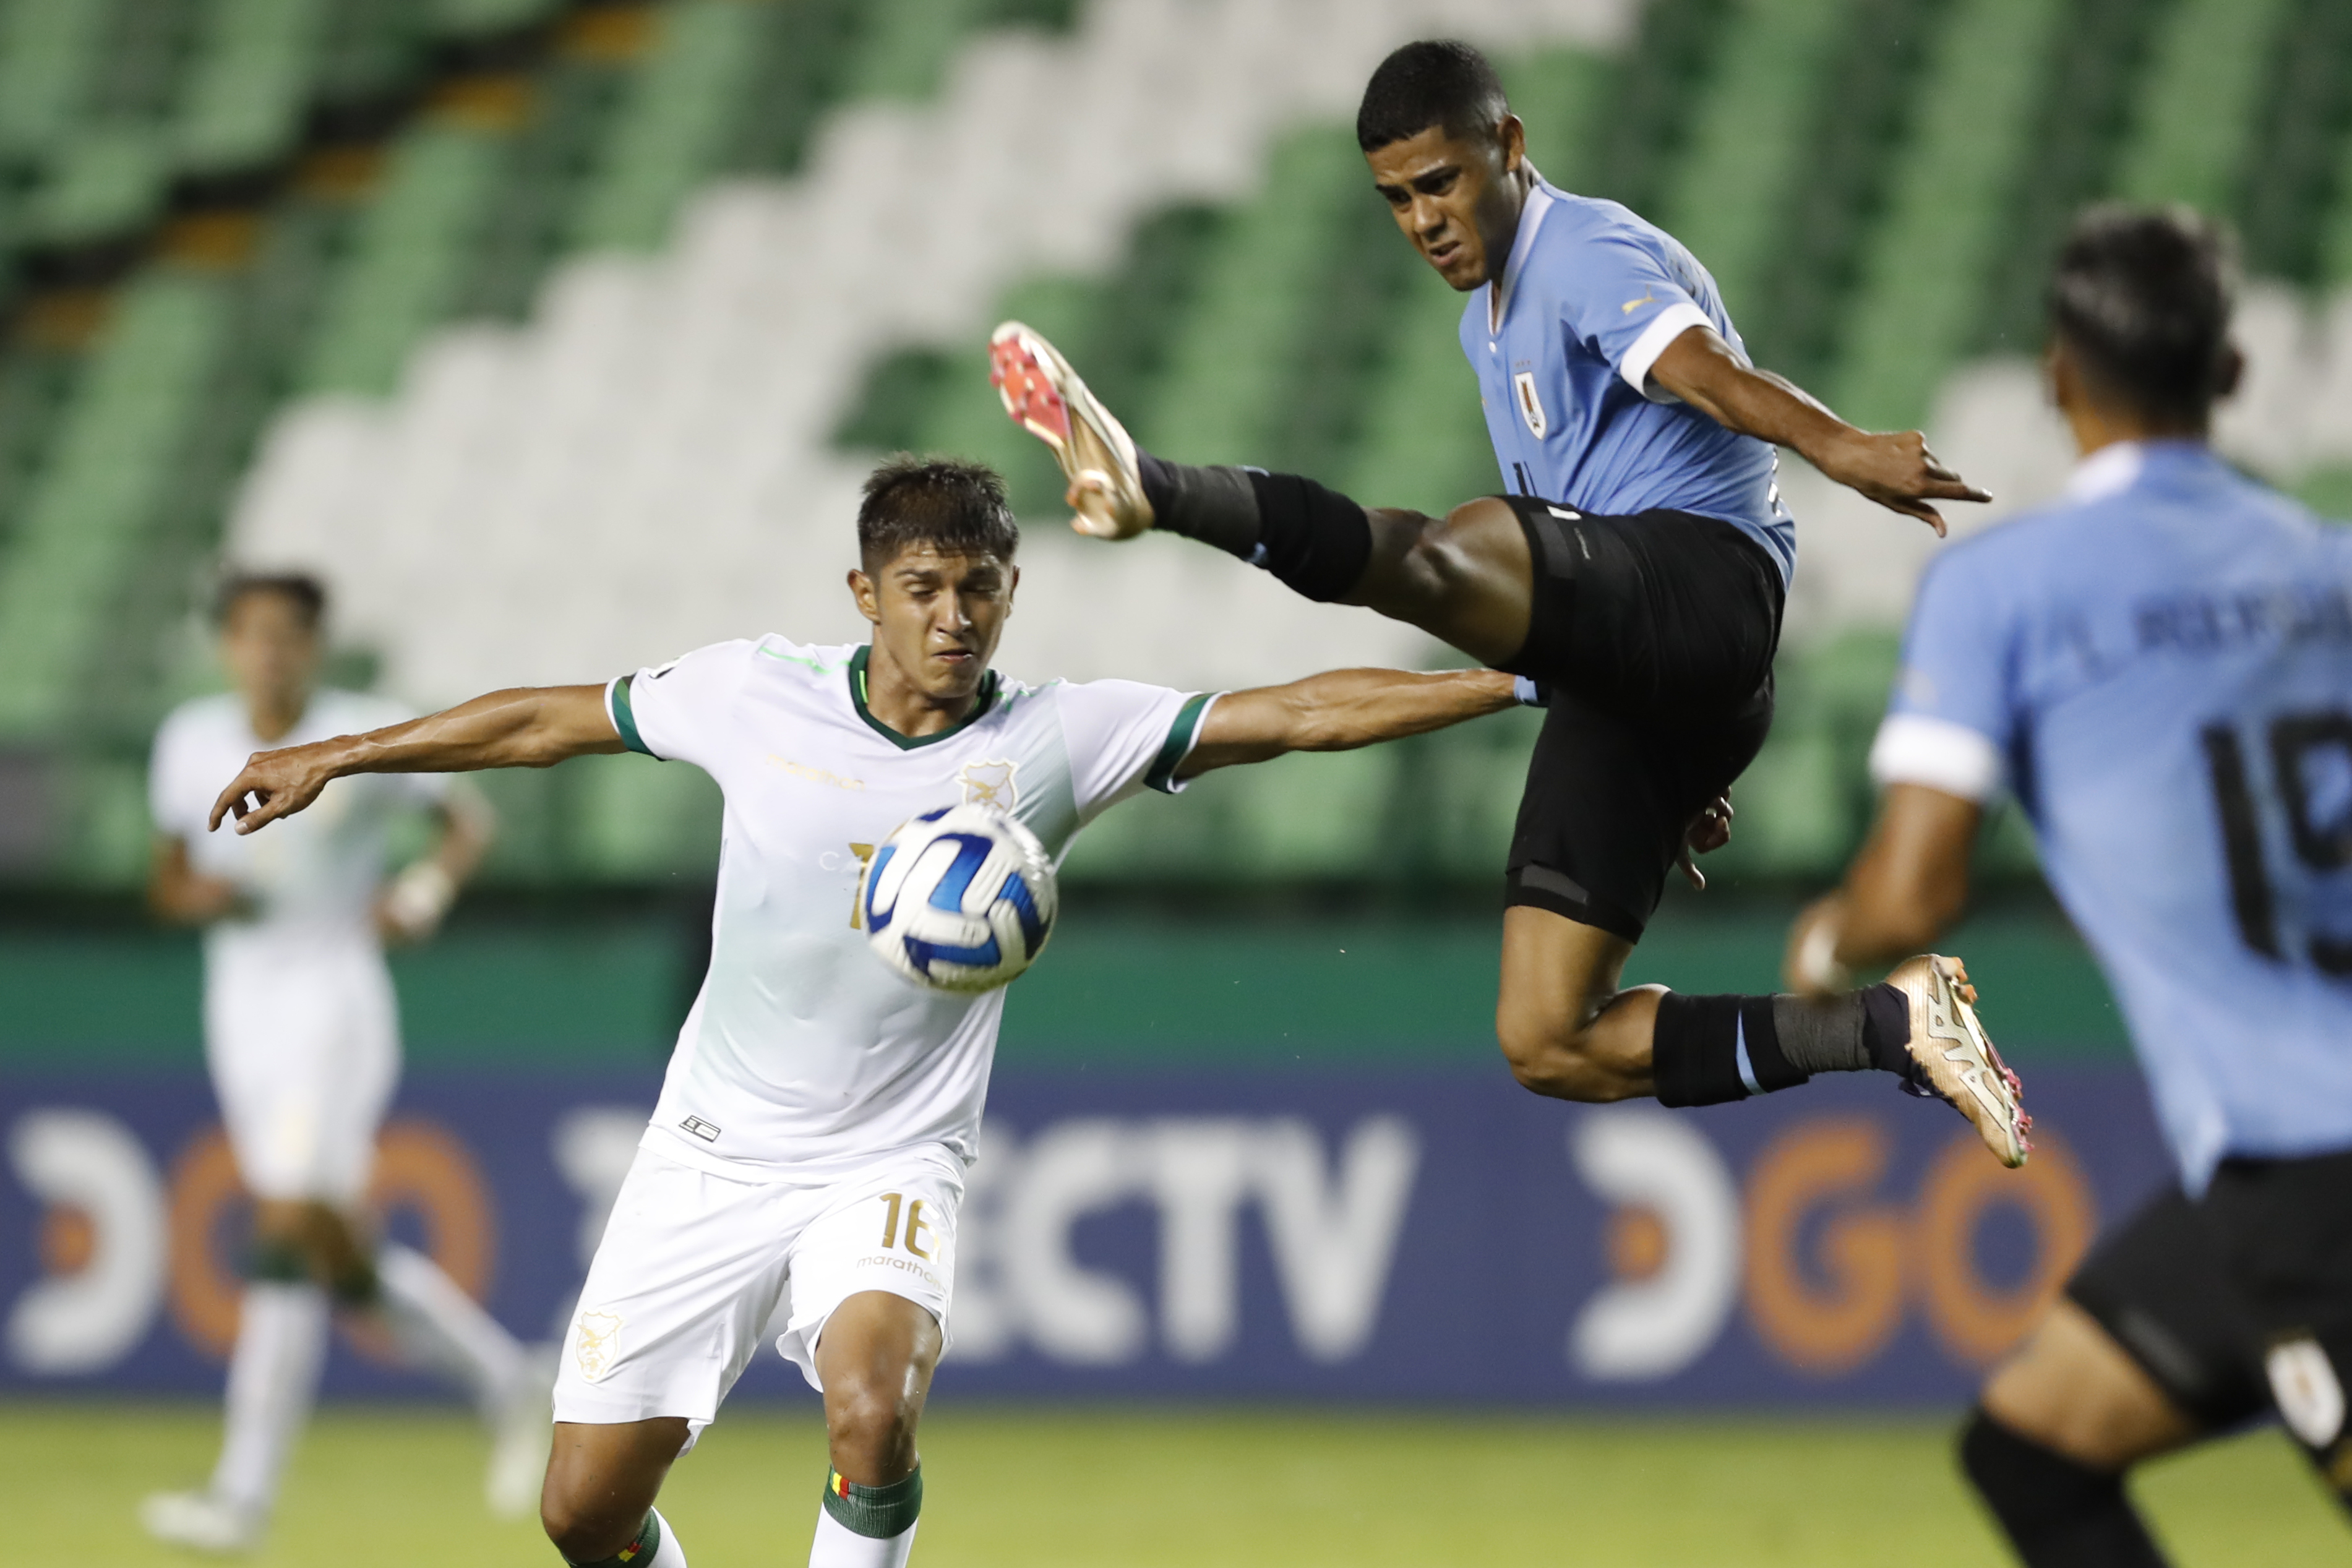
<point x="1708" y="832"/>
<point x="274" y="784"/>
<point x="1896" y="470"/>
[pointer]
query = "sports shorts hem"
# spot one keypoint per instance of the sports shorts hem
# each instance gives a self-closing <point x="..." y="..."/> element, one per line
<point x="1541" y="887"/>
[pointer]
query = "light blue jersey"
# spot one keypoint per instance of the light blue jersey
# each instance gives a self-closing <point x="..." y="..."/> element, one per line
<point x="1591" y="297"/>
<point x="2160" y="668"/>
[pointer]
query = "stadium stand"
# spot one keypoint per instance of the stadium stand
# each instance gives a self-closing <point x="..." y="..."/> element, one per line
<point x="558" y="334"/>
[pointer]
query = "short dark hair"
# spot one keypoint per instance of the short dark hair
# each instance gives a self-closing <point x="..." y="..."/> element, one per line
<point x="305" y="592"/>
<point x="958" y="508"/>
<point x="2143" y="296"/>
<point x="1437" y="82"/>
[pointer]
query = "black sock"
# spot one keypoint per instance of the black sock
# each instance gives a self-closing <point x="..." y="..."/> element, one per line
<point x="1850" y="1033"/>
<point x="1706" y="1050"/>
<point x="1316" y="540"/>
<point x="1215" y="505"/>
<point x="2056" y="1513"/>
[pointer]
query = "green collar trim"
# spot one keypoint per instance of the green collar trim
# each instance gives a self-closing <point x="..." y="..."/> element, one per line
<point x="983" y="701"/>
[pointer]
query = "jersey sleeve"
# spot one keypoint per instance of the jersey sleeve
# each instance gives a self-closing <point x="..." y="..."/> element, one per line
<point x="1626" y="305"/>
<point x="168" y="783"/>
<point x="1953" y="718"/>
<point x="681" y="711"/>
<point x="1124" y="735"/>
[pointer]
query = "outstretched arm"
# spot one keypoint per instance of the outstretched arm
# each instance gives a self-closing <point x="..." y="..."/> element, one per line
<point x="1896" y="470"/>
<point x="1340" y="711"/>
<point x="1909" y="885"/>
<point x="526" y="727"/>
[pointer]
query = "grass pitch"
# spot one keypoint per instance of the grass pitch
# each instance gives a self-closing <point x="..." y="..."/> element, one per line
<point x="1042" y="1487"/>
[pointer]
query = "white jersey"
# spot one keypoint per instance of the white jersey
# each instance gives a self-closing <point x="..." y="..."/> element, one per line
<point x="311" y="879"/>
<point x="805" y="1056"/>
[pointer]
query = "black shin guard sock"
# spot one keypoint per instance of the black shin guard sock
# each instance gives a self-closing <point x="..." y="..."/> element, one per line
<point x="1215" y="505"/>
<point x="637" y="1552"/>
<point x="1823" y="1034"/>
<point x="1886" y="1035"/>
<point x="1706" y="1050"/>
<point x="2056" y="1513"/>
<point x="877" y="1513"/>
<point x="1316" y="541"/>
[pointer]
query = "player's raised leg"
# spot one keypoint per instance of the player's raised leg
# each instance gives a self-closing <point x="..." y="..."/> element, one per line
<point x="598" y="1504"/>
<point x="1569" y="1030"/>
<point x="876" y="1356"/>
<point x="1465" y="577"/>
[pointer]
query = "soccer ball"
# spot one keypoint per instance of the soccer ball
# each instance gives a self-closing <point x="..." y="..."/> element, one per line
<point x="960" y="899"/>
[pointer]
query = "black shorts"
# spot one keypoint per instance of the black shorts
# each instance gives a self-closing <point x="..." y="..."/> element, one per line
<point x="2201" y="1292"/>
<point x="1656" y="634"/>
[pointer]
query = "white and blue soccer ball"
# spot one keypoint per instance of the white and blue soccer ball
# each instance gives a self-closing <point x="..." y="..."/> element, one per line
<point x="960" y="899"/>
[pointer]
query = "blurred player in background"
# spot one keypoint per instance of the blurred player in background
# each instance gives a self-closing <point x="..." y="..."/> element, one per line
<point x="1635" y="575"/>
<point x="811" y="1140"/>
<point x="2159" y="669"/>
<point x="302" y="1036"/>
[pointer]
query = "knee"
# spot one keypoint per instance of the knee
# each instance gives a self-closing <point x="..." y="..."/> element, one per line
<point x="870" y="1427"/>
<point x="586" y="1523"/>
<point x="1547" y="1055"/>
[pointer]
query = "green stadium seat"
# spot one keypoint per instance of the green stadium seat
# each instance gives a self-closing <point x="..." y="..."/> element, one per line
<point x="108" y="181"/>
<point x="49" y="53"/>
<point x="2196" y="104"/>
<point x="674" y="128"/>
<point x="243" y="104"/>
<point x="100" y="491"/>
<point x="407" y="261"/>
<point x="1921" y="294"/>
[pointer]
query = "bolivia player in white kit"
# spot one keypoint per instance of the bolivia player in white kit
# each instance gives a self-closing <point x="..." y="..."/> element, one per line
<point x="809" y="1147"/>
<point x="302" y="1037"/>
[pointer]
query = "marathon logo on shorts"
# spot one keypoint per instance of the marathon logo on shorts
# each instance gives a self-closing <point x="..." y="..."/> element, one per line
<point x="1531" y="408"/>
<point x="598" y="1344"/>
<point x="707" y="1131"/>
<point x="2310" y="1399"/>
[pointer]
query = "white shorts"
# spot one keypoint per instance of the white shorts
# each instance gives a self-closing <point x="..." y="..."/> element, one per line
<point x="304" y="1058"/>
<point x="693" y="1267"/>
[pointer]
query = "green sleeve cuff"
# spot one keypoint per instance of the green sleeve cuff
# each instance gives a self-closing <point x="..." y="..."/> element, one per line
<point x="624" y="718"/>
<point x="1179" y="744"/>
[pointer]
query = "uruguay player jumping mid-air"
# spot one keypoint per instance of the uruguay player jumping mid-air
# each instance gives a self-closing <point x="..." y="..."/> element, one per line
<point x="1636" y="572"/>
<point x="2158" y="667"/>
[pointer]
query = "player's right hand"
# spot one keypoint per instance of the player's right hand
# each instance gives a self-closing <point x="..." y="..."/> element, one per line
<point x="274" y="784"/>
<point x="1897" y="471"/>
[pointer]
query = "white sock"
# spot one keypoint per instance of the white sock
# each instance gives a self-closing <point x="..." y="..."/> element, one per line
<point x="273" y="1380"/>
<point x="838" y="1546"/>
<point x="437" y="1325"/>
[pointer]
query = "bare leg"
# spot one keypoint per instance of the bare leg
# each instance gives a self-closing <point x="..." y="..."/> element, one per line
<point x="2076" y="1392"/>
<point x="1465" y="579"/>
<point x="877" y="1357"/>
<point x="1565" y="1027"/>
<point x="601" y="1479"/>
<point x="2060" y="1423"/>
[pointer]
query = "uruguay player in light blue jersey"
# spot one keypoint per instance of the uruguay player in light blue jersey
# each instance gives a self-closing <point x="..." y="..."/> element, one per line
<point x="2158" y="668"/>
<point x="1634" y="574"/>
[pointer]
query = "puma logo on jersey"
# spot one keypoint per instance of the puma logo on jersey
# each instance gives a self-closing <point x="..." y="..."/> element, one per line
<point x="990" y="783"/>
<point x="1633" y="305"/>
<point x="1531" y="408"/>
